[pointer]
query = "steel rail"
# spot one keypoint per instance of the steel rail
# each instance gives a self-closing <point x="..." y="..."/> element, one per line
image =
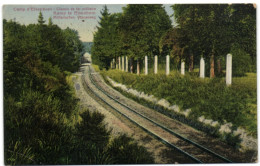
<point x="163" y="127"/>
<point x="146" y="130"/>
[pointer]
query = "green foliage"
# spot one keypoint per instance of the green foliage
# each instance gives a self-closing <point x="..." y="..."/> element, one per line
<point x="208" y="97"/>
<point x="91" y="139"/>
<point x="40" y="19"/>
<point x="19" y="154"/>
<point x="42" y="123"/>
<point x="137" y="24"/>
<point x="202" y="28"/>
<point x="107" y="42"/>
<point x="74" y="47"/>
<point x="241" y="61"/>
<point x="243" y="31"/>
<point x="129" y="33"/>
<point x="59" y="47"/>
<point x="125" y="151"/>
<point x="39" y="126"/>
<point x="50" y="21"/>
<point x="91" y="123"/>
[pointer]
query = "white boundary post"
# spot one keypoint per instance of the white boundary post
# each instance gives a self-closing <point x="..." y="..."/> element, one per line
<point x="183" y="68"/>
<point x="167" y="64"/>
<point x="229" y="70"/>
<point x="155" y="64"/>
<point x="202" y="68"/>
<point x="146" y="65"/>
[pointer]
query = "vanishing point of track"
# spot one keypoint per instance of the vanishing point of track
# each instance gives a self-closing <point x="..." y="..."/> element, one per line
<point x="205" y="155"/>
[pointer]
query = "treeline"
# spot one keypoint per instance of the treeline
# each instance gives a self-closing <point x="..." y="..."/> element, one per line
<point x="210" y="31"/>
<point x="135" y="32"/>
<point x="42" y="120"/>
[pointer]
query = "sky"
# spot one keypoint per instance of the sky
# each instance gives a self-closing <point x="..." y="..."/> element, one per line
<point x="85" y="24"/>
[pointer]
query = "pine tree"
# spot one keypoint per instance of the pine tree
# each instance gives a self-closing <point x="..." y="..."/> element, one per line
<point x="40" y="19"/>
<point x="50" y="22"/>
<point x="142" y="27"/>
<point x="203" y="25"/>
<point x="106" y="40"/>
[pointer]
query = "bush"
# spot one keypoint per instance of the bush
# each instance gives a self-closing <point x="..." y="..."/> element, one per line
<point x="42" y="124"/>
<point x="39" y="127"/>
<point x="208" y="97"/>
<point x="93" y="144"/>
<point x="40" y="134"/>
<point x="92" y="130"/>
<point x="125" y="151"/>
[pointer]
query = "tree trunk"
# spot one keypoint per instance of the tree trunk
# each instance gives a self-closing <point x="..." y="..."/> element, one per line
<point x="114" y="63"/>
<point x="131" y="65"/>
<point x="219" y="66"/>
<point x="123" y="63"/>
<point x="117" y="63"/>
<point x="138" y="67"/>
<point x="212" y="73"/>
<point x="126" y="63"/>
<point x="191" y="63"/>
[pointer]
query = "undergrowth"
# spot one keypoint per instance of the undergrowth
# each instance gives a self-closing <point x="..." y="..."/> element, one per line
<point x="208" y="97"/>
<point x="43" y="123"/>
<point x="38" y="132"/>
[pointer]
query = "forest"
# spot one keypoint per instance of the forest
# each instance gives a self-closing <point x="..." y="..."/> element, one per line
<point x="210" y="31"/>
<point x="43" y="123"/>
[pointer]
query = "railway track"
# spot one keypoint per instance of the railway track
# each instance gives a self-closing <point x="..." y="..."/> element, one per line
<point x="187" y="147"/>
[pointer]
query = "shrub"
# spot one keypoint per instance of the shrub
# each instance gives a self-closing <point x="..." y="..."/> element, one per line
<point x="125" y="151"/>
<point x="42" y="124"/>
<point x="38" y="127"/>
<point x="208" y="97"/>
<point x="92" y="130"/>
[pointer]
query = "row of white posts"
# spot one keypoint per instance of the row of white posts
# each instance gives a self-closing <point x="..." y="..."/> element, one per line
<point x="124" y="67"/>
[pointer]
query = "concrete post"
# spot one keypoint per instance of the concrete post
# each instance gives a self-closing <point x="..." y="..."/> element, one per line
<point x="202" y="68"/>
<point x="126" y="64"/>
<point x="146" y="65"/>
<point x="155" y="64"/>
<point x="167" y="64"/>
<point x="123" y="63"/>
<point x="119" y="62"/>
<point x="229" y="69"/>
<point x="183" y="68"/>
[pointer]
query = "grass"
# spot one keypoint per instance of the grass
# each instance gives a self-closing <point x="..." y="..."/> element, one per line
<point x="96" y="68"/>
<point x="208" y="97"/>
